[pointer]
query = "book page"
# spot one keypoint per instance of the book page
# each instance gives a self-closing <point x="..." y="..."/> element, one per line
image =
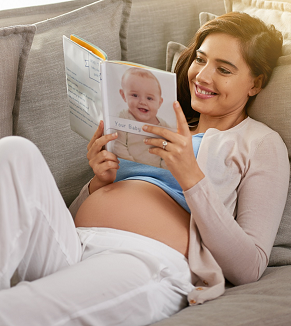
<point x="83" y="80"/>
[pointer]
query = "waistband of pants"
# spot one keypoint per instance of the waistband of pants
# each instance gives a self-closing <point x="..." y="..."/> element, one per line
<point x="119" y="239"/>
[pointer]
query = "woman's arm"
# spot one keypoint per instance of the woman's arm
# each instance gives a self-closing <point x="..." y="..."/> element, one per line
<point x="103" y="163"/>
<point x="242" y="246"/>
<point x="84" y="193"/>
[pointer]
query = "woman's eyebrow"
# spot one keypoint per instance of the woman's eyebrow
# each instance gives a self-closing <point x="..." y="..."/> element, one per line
<point x="220" y="60"/>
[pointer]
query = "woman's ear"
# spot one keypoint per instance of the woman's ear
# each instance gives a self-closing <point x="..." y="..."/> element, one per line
<point x="258" y="82"/>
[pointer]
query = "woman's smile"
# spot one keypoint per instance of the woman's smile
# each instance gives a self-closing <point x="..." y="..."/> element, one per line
<point x="203" y="92"/>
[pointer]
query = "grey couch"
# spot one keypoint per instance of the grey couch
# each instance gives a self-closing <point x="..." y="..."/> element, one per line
<point x="33" y="104"/>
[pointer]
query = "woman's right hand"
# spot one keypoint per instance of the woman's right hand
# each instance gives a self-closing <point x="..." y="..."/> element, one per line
<point x="103" y="163"/>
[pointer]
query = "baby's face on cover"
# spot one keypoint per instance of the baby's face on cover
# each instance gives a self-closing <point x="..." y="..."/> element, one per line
<point x="143" y="97"/>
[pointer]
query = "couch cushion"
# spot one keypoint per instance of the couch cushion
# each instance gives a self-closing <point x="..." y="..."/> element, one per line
<point x="35" y="14"/>
<point x="15" y="43"/>
<point x="273" y="12"/>
<point x="44" y="112"/>
<point x="154" y="23"/>
<point x="262" y="303"/>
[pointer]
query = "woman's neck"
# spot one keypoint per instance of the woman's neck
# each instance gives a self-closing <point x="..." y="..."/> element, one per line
<point x="220" y="123"/>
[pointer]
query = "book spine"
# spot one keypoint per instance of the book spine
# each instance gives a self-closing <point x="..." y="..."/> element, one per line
<point x="104" y="97"/>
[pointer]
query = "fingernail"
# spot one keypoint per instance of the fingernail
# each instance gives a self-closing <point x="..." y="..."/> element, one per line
<point x="145" y="140"/>
<point x="176" y="104"/>
<point x="114" y="134"/>
<point x="145" y="128"/>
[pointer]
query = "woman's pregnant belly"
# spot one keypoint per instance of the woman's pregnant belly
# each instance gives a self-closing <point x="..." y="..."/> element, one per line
<point x="139" y="207"/>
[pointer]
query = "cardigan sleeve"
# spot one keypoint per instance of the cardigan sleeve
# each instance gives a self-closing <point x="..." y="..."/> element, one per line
<point x="84" y="193"/>
<point x="242" y="246"/>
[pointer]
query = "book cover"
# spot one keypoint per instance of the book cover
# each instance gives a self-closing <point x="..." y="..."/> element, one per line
<point x="122" y="94"/>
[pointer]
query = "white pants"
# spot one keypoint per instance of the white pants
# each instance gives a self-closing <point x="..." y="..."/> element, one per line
<point x="85" y="276"/>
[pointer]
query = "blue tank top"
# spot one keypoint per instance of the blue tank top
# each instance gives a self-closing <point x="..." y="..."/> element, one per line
<point x="162" y="178"/>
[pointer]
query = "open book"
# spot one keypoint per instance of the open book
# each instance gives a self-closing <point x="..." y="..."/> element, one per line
<point x="124" y="95"/>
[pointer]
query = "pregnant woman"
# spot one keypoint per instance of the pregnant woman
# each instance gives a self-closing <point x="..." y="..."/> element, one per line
<point x="144" y="242"/>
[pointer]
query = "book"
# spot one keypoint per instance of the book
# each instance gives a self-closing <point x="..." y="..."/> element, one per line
<point x="124" y="95"/>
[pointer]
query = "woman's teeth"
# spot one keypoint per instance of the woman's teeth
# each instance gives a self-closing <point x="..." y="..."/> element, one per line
<point x="204" y="92"/>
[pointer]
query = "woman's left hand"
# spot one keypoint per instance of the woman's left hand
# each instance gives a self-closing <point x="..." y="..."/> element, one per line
<point x="178" y="152"/>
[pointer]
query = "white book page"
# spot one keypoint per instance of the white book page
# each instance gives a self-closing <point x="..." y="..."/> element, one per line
<point x="83" y="88"/>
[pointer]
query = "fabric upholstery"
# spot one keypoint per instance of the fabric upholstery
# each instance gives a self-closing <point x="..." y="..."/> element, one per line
<point x="15" y="43"/>
<point x="154" y="23"/>
<point x="44" y="113"/>
<point x="273" y="12"/>
<point x="35" y="14"/>
<point x="262" y="303"/>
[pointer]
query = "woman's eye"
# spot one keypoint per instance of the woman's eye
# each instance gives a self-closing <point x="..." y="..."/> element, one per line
<point x="224" y="71"/>
<point x="199" y="60"/>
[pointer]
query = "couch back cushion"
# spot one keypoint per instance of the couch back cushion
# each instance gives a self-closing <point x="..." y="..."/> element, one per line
<point x="154" y="23"/>
<point x="44" y="112"/>
<point x="15" y="43"/>
<point x="35" y="14"/>
<point x="273" y="12"/>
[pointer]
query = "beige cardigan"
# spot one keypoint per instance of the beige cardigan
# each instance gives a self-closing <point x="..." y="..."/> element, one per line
<point x="236" y="209"/>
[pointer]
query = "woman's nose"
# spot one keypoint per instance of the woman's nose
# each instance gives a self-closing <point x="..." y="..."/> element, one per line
<point x="205" y="74"/>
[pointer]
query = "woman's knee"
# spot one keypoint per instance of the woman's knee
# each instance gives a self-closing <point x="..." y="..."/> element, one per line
<point x="15" y="148"/>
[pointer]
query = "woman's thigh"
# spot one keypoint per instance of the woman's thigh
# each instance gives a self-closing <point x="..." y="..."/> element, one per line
<point x="114" y="287"/>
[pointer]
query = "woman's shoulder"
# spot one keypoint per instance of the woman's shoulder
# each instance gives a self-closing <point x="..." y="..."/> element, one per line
<point x="250" y="130"/>
<point x="258" y="138"/>
<point x="249" y="135"/>
<point x="261" y="127"/>
<point x="257" y="131"/>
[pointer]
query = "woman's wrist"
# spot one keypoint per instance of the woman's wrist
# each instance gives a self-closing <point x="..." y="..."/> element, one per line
<point x="95" y="184"/>
<point x="193" y="180"/>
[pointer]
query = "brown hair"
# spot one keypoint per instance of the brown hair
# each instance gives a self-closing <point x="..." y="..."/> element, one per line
<point x="261" y="46"/>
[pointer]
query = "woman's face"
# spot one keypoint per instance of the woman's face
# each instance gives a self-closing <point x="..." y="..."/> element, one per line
<point x="220" y="81"/>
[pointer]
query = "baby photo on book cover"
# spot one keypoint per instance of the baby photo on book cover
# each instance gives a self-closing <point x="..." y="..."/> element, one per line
<point x="138" y="96"/>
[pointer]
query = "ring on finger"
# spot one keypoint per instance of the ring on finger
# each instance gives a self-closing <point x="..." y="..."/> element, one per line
<point x="165" y="143"/>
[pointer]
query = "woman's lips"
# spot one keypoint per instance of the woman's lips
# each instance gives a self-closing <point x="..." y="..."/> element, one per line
<point x="203" y="92"/>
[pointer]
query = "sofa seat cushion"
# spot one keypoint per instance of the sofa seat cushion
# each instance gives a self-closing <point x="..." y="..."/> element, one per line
<point x="266" y="302"/>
